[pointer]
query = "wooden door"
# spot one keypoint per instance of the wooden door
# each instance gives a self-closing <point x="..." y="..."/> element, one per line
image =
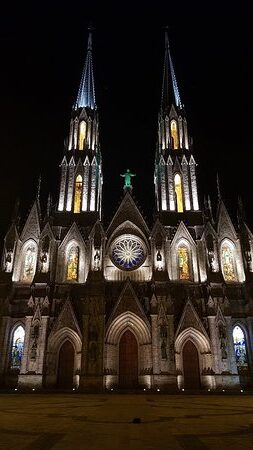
<point x="128" y="361"/>
<point x="191" y="366"/>
<point x="66" y="366"/>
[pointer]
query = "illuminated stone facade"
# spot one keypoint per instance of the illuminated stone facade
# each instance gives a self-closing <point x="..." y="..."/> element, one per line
<point x="127" y="306"/>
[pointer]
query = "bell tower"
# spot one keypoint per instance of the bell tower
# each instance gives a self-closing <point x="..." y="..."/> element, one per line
<point x="175" y="167"/>
<point x="81" y="167"/>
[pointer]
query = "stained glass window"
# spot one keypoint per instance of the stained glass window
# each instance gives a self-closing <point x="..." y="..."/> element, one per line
<point x="227" y="260"/>
<point x="17" y="347"/>
<point x="128" y="253"/>
<point x="72" y="263"/>
<point x="174" y="134"/>
<point x="29" y="263"/>
<point x="179" y="193"/>
<point x="183" y="263"/>
<point x="82" y="134"/>
<point x="78" y="194"/>
<point x="240" y="348"/>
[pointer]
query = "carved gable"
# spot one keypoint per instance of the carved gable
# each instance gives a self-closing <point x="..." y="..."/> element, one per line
<point x="31" y="229"/>
<point x="66" y="319"/>
<point x="190" y="319"/>
<point x="128" y="301"/>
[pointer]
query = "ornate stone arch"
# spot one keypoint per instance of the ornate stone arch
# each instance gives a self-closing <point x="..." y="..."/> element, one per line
<point x="184" y="238"/>
<point x="140" y="329"/>
<point x="203" y="347"/>
<point x="73" y="237"/>
<point x="128" y="320"/>
<point x="55" y="342"/>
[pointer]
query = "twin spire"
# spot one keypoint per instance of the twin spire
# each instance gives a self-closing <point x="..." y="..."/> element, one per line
<point x="86" y="92"/>
<point x="169" y="76"/>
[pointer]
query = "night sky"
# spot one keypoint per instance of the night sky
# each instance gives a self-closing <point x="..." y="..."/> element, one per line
<point x="43" y="49"/>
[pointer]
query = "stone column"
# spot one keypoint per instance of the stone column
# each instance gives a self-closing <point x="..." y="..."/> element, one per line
<point x="92" y="364"/>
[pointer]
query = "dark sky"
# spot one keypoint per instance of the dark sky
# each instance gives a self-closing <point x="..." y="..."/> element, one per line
<point x="42" y="54"/>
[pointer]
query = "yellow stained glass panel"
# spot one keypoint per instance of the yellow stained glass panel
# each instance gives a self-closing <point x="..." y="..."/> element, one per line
<point x="72" y="264"/>
<point x="78" y="194"/>
<point x="228" y="264"/>
<point x="179" y="193"/>
<point x="82" y="135"/>
<point x="174" y="134"/>
<point x="183" y="263"/>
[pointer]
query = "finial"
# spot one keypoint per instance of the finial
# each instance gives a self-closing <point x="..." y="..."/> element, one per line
<point x="241" y="216"/>
<point x="128" y="175"/>
<point x="166" y="36"/>
<point x="15" y="214"/>
<point x="90" y="29"/>
<point x="49" y="204"/>
<point x="218" y="186"/>
<point x="38" y="187"/>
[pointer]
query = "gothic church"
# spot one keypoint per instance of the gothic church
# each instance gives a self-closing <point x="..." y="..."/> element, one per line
<point x="128" y="306"/>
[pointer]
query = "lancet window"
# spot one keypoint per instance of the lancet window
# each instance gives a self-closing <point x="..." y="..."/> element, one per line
<point x="73" y="263"/>
<point x="82" y="134"/>
<point x="78" y="194"/>
<point x="174" y="134"/>
<point x="179" y="193"/>
<point x="228" y="263"/>
<point x="17" y="348"/>
<point x="29" y="262"/>
<point x="240" y="348"/>
<point x="183" y="263"/>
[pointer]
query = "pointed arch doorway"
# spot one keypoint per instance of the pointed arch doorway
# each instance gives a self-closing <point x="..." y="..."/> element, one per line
<point x="66" y="366"/>
<point x="128" y="361"/>
<point x="191" y="366"/>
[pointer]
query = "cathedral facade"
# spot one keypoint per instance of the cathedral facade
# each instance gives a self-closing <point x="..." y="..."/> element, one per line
<point x="127" y="306"/>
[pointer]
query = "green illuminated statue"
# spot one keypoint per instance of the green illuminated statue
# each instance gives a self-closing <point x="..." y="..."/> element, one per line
<point x="128" y="175"/>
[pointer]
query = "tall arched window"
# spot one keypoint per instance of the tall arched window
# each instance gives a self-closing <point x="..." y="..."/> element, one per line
<point x="17" y="348"/>
<point x="73" y="263"/>
<point x="179" y="193"/>
<point x="78" y="194"/>
<point x="174" y="134"/>
<point x="183" y="263"/>
<point x="82" y="134"/>
<point x="240" y="348"/>
<point x="228" y="263"/>
<point x="29" y="262"/>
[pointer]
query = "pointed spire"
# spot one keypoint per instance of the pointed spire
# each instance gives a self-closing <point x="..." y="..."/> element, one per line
<point x="169" y="74"/>
<point x="86" y="93"/>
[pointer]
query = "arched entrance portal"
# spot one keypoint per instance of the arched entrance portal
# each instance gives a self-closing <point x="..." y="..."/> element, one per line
<point x="128" y="361"/>
<point x="191" y="366"/>
<point x="66" y="366"/>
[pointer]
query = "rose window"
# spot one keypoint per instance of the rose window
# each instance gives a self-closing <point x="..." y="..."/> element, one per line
<point x="128" y="252"/>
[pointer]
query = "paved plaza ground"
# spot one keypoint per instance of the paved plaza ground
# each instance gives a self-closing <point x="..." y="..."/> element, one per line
<point x="131" y="422"/>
